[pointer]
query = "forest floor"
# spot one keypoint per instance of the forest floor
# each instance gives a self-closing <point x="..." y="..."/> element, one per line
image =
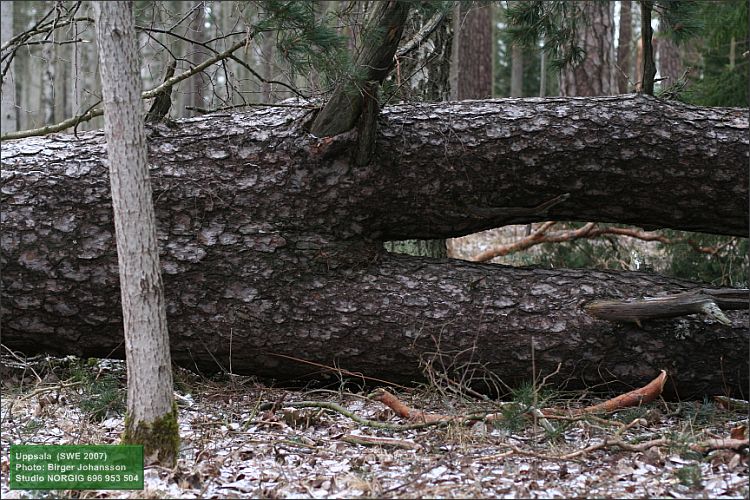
<point x="234" y="447"/>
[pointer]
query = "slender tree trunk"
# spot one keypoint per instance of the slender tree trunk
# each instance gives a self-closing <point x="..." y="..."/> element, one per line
<point x="542" y="72"/>
<point x="76" y="73"/>
<point x="624" y="47"/>
<point x="267" y="54"/>
<point x="48" y="83"/>
<point x="8" y="98"/>
<point x="151" y="418"/>
<point x="198" y="54"/>
<point x="648" y="71"/>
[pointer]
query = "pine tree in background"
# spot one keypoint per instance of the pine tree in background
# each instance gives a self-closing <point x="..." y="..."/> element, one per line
<point x="725" y="61"/>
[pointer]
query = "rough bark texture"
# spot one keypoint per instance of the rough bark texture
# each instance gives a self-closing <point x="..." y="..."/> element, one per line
<point x="142" y="294"/>
<point x="270" y="239"/>
<point x="474" y="51"/>
<point x="375" y="59"/>
<point x="648" y="71"/>
<point x="624" y="47"/>
<point x="595" y="74"/>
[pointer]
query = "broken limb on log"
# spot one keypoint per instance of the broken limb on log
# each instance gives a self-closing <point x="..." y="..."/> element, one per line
<point x="702" y="301"/>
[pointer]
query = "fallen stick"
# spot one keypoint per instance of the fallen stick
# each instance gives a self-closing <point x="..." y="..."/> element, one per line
<point x="379" y="441"/>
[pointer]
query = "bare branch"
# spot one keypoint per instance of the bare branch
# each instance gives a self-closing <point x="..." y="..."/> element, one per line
<point x="70" y="122"/>
<point x="590" y="230"/>
<point x="422" y="35"/>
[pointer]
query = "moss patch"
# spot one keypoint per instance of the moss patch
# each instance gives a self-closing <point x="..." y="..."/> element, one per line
<point x="160" y="438"/>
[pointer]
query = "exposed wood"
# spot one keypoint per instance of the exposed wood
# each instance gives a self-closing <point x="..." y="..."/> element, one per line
<point x="641" y="396"/>
<point x="703" y="301"/>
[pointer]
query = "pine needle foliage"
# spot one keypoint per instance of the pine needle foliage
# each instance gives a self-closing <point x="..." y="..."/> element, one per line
<point x="725" y="64"/>
<point x="681" y="20"/>
<point x="556" y="22"/>
<point x="304" y="37"/>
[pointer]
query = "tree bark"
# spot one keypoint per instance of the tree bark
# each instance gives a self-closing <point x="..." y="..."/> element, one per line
<point x="385" y="24"/>
<point x="516" y="71"/>
<point x="670" y="60"/>
<point x="624" y="49"/>
<point x="474" y="51"/>
<point x="648" y="71"/>
<point x="150" y="417"/>
<point x="595" y="75"/>
<point x="270" y="239"/>
<point x="8" y="98"/>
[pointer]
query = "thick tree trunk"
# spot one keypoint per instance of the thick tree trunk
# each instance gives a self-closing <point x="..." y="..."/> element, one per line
<point x="270" y="239"/>
<point x="595" y="75"/>
<point x="474" y="51"/>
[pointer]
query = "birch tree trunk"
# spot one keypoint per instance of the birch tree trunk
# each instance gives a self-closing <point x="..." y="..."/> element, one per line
<point x="152" y="418"/>
<point x="8" y="97"/>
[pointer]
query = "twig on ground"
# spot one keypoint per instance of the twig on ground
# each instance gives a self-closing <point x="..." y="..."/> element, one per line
<point x="380" y="441"/>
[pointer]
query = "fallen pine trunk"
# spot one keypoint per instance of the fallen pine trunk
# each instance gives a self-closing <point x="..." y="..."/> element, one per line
<point x="271" y="243"/>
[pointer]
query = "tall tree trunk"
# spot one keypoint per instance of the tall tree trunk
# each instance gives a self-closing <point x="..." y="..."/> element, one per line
<point x="8" y="97"/>
<point x="648" y="70"/>
<point x="198" y="54"/>
<point x="595" y="75"/>
<point x="152" y="417"/>
<point x="624" y="47"/>
<point x="49" y="55"/>
<point x="670" y="60"/>
<point x="474" y="56"/>
<point x="267" y="68"/>
<point x="270" y="243"/>
<point x="516" y="71"/>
